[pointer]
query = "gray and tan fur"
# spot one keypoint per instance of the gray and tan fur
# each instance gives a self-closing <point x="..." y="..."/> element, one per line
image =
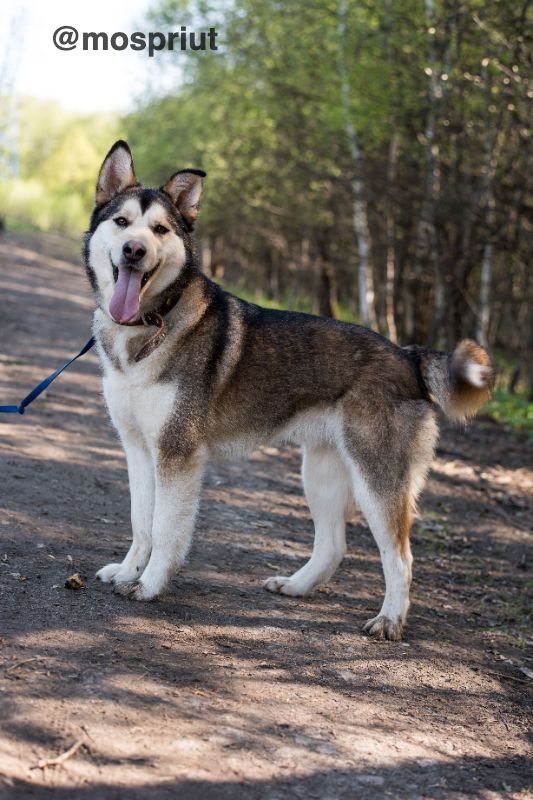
<point x="191" y="372"/>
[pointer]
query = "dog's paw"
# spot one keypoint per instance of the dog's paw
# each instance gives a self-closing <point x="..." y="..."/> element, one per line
<point x="127" y="575"/>
<point x="381" y="627"/>
<point x="283" y="585"/>
<point x="108" y="573"/>
<point x="134" y="590"/>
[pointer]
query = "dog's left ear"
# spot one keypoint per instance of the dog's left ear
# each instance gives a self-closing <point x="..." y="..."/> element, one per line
<point x="184" y="189"/>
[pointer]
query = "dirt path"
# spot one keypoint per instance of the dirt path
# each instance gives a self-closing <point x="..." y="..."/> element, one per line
<point x="222" y="690"/>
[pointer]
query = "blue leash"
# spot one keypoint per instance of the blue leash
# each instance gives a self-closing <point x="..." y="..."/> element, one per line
<point x="43" y="384"/>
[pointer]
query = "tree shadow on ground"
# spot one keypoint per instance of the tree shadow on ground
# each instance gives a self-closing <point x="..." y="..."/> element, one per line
<point x="461" y="777"/>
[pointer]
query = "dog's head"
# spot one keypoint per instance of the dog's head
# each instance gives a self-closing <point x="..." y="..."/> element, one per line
<point x="139" y="239"/>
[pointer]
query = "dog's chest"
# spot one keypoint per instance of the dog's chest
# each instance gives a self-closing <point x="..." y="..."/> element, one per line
<point x="138" y="403"/>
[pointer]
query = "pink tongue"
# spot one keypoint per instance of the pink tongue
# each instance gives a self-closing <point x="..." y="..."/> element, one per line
<point x="124" y="304"/>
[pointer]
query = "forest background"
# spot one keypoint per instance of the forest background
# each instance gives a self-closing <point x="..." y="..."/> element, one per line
<point x="366" y="160"/>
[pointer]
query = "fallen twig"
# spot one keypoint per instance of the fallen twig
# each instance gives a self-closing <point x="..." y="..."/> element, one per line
<point x="20" y="663"/>
<point x="59" y="760"/>
<point x="503" y="675"/>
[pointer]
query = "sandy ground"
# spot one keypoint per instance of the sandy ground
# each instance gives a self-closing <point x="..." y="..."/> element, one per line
<point x="222" y="690"/>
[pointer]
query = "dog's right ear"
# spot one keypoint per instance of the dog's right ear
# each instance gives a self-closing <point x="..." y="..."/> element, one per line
<point x="116" y="174"/>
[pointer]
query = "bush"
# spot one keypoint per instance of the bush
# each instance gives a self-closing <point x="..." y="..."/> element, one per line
<point x="27" y="204"/>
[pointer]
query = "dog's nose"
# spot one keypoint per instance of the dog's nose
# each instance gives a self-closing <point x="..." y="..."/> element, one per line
<point x="133" y="251"/>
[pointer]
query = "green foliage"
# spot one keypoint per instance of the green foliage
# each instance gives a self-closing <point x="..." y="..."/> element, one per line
<point x="31" y="206"/>
<point x="298" y="302"/>
<point x="435" y="96"/>
<point x="513" y="410"/>
<point x="265" y="117"/>
<point x="60" y="155"/>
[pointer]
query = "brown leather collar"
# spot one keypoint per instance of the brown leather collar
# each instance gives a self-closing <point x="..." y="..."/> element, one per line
<point x="157" y="338"/>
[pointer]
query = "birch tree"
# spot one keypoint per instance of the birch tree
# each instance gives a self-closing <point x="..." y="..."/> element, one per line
<point x="360" y="220"/>
<point x="426" y="255"/>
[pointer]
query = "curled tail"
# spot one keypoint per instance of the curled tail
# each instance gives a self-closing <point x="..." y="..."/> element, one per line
<point x="460" y="382"/>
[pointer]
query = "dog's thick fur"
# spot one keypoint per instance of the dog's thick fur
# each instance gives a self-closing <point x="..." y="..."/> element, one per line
<point x="191" y="372"/>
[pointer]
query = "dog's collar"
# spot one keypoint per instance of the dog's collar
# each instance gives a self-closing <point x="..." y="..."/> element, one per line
<point x="157" y="338"/>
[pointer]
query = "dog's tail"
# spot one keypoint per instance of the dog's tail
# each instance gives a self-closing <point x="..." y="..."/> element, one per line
<point x="460" y="382"/>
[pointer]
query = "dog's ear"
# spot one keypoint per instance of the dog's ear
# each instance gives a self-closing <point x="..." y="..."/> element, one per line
<point x="116" y="174"/>
<point x="184" y="189"/>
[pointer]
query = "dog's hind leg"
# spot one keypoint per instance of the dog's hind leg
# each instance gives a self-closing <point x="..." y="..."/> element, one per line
<point x="327" y="488"/>
<point x="389" y="519"/>
<point x="142" y="488"/>
<point x="388" y="449"/>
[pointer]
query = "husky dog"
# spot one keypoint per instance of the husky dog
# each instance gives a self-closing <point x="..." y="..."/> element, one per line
<point x="191" y="372"/>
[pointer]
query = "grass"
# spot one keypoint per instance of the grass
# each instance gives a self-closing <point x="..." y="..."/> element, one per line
<point x="512" y="410"/>
<point x="292" y="303"/>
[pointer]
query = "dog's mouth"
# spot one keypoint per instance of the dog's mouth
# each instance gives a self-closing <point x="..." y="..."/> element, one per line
<point x="147" y="275"/>
<point x="129" y="283"/>
<point x="145" y="278"/>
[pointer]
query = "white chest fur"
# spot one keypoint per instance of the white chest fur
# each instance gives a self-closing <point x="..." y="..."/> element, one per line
<point x="139" y="405"/>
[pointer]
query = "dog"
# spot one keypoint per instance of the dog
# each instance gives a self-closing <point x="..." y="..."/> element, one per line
<point x="191" y="372"/>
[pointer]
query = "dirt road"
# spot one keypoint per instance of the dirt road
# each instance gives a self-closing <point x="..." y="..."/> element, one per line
<point x="222" y="690"/>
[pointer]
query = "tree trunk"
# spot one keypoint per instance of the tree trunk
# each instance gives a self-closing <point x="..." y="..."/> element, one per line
<point x="367" y="311"/>
<point x="327" y="292"/>
<point x="484" y="295"/>
<point x="390" y="261"/>
<point x="426" y="256"/>
<point x="487" y="193"/>
<point x="391" y="250"/>
<point x="206" y="258"/>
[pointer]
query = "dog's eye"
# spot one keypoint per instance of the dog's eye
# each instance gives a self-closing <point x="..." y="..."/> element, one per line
<point x="160" y="229"/>
<point x="122" y="222"/>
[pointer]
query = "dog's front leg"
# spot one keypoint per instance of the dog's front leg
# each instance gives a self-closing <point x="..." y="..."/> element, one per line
<point x="177" y="487"/>
<point x="142" y="490"/>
